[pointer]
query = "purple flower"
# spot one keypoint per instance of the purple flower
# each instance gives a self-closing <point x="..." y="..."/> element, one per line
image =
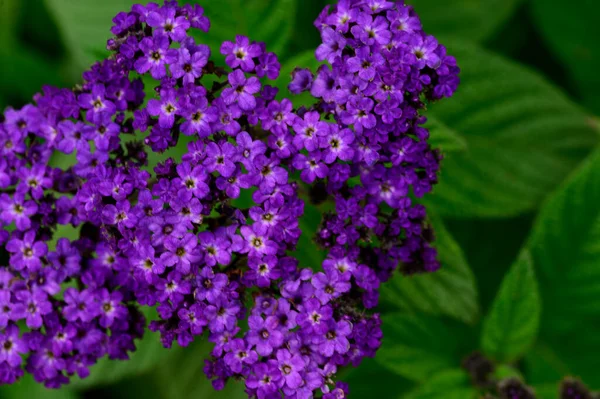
<point x="111" y="307"/>
<point x="330" y="286"/>
<point x="189" y="67"/>
<point x="220" y="158"/>
<point x="249" y="149"/>
<point x="365" y="63"/>
<point x="26" y="252"/>
<point x="302" y="79"/>
<point x="156" y="55"/>
<point x="166" y="23"/>
<point x="335" y="338"/>
<point x="311" y="165"/>
<point x="181" y="252"/>
<point x="332" y="46"/>
<point x="193" y="179"/>
<point x="264" y="334"/>
<point x="196" y="17"/>
<point x="263" y="270"/>
<point x="11" y="346"/>
<point x="423" y="50"/>
<point x="80" y="305"/>
<point x="17" y="210"/>
<point x="242" y="90"/>
<point x="96" y="103"/>
<point x="241" y="53"/>
<point x="33" y="305"/>
<point x="239" y="355"/>
<point x="290" y="366"/>
<point x="166" y="108"/>
<point x="371" y="31"/>
<point x="257" y="243"/>
<point x="337" y="145"/>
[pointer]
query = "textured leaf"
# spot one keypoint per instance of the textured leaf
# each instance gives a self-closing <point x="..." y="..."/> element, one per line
<point x="9" y="11"/>
<point x="491" y="247"/>
<point x="565" y="245"/>
<point x="269" y="21"/>
<point x="443" y="137"/>
<point x="450" y="291"/>
<point x="512" y="324"/>
<point x="470" y="19"/>
<point x="572" y="33"/>
<point x="85" y="25"/>
<point x="370" y="379"/>
<point x="523" y="138"/>
<point x="149" y="353"/>
<point x="23" y="74"/>
<point x="448" y="384"/>
<point x="27" y="388"/>
<point x="418" y="346"/>
<point x="181" y="375"/>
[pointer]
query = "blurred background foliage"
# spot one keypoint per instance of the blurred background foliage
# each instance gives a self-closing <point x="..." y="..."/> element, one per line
<point x="517" y="211"/>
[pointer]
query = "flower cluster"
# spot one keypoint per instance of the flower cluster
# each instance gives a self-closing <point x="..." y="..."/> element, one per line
<point x="208" y="237"/>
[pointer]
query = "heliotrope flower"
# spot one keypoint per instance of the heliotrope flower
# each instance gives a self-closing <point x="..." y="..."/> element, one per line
<point x="208" y="234"/>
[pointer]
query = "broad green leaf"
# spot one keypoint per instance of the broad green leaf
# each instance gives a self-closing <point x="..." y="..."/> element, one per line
<point x="490" y="247"/>
<point x="9" y="12"/>
<point x="523" y="138"/>
<point x="149" y="353"/>
<point x="181" y="376"/>
<point x="443" y="137"/>
<point x="572" y="34"/>
<point x="448" y="384"/>
<point x="370" y="379"/>
<point x="504" y="371"/>
<point x="417" y="346"/>
<point x="470" y="19"/>
<point x="268" y="21"/>
<point x="27" y="388"/>
<point x="85" y="25"/>
<point x="23" y="74"/>
<point x="565" y="245"/>
<point x="512" y="324"/>
<point x="450" y="291"/>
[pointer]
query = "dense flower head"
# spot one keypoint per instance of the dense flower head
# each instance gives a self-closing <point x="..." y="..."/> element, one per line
<point x="207" y="237"/>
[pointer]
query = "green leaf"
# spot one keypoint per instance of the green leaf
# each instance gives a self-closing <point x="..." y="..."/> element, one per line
<point x="450" y="291"/>
<point x="443" y="137"/>
<point x="149" y="353"/>
<point x="9" y="12"/>
<point x="470" y="19"/>
<point x="181" y="376"/>
<point x="491" y="247"/>
<point x="85" y="25"/>
<point x="511" y="326"/>
<point x="27" y="388"/>
<point x="572" y="34"/>
<point x="268" y="21"/>
<point x="565" y="245"/>
<point x="370" y="379"/>
<point x="523" y="138"/>
<point x="448" y="384"/>
<point x="418" y="346"/>
<point x="23" y="74"/>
